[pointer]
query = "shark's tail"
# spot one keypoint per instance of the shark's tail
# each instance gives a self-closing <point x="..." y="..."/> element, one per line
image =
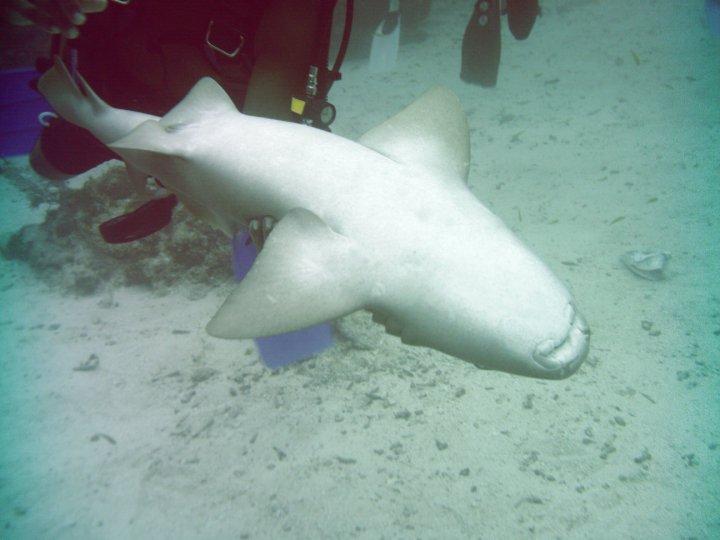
<point x="74" y="100"/>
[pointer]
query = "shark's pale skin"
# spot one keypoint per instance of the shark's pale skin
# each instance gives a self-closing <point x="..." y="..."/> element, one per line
<point x="385" y="224"/>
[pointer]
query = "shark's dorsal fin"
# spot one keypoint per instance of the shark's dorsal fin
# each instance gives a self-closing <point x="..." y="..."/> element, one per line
<point x="207" y="97"/>
<point x="305" y="274"/>
<point x="432" y="132"/>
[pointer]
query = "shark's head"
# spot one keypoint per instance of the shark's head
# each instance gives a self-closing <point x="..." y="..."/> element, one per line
<point x="493" y="302"/>
<point x="515" y="340"/>
<point x="530" y="326"/>
<point x="497" y="306"/>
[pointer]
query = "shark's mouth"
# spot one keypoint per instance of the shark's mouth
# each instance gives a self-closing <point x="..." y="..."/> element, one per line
<point x="560" y="358"/>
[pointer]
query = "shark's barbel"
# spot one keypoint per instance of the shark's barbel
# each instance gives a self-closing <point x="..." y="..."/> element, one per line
<point x="385" y="224"/>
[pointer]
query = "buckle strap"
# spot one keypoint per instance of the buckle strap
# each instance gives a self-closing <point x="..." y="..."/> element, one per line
<point x="224" y="39"/>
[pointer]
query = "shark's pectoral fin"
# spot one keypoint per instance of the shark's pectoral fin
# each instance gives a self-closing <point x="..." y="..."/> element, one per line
<point x="74" y="100"/>
<point x="430" y="133"/>
<point x="305" y="274"/>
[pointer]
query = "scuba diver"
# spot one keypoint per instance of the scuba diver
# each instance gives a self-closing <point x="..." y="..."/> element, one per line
<point x="271" y="56"/>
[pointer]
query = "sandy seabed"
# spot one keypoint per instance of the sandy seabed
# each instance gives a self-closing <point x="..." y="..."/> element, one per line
<point x="602" y="136"/>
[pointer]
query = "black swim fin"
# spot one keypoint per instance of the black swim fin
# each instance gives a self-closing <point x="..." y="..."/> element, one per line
<point x="481" y="45"/>
<point x="141" y="222"/>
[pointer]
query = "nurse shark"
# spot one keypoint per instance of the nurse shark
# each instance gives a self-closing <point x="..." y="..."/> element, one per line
<point x="386" y="224"/>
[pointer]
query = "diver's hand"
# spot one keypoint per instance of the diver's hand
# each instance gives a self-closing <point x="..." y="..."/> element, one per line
<point x="54" y="16"/>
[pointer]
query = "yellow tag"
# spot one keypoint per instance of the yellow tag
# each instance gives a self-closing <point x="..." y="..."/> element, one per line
<point x="297" y="106"/>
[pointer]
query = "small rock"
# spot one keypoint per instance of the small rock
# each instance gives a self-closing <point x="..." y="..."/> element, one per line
<point x="104" y="436"/>
<point x="606" y="450"/>
<point x="397" y="448"/>
<point x="202" y="374"/>
<point x="528" y="401"/>
<point x="92" y="362"/>
<point x="643" y="457"/>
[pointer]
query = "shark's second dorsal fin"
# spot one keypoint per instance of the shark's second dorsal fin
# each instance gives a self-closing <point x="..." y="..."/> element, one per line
<point x="305" y="274"/>
<point x="431" y="132"/>
<point x="206" y="97"/>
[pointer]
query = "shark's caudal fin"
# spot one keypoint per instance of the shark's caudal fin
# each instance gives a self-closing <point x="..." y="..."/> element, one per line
<point x="432" y="132"/>
<point x="77" y="103"/>
<point x="305" y="274"/>
<point x="63" y="93"/>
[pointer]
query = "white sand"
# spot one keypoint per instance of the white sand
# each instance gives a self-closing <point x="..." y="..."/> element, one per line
<point x="398" y="442"/>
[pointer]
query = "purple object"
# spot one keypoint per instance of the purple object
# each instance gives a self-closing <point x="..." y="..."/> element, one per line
<point x="283" y="349"/>
<point x="19" y="110"/>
